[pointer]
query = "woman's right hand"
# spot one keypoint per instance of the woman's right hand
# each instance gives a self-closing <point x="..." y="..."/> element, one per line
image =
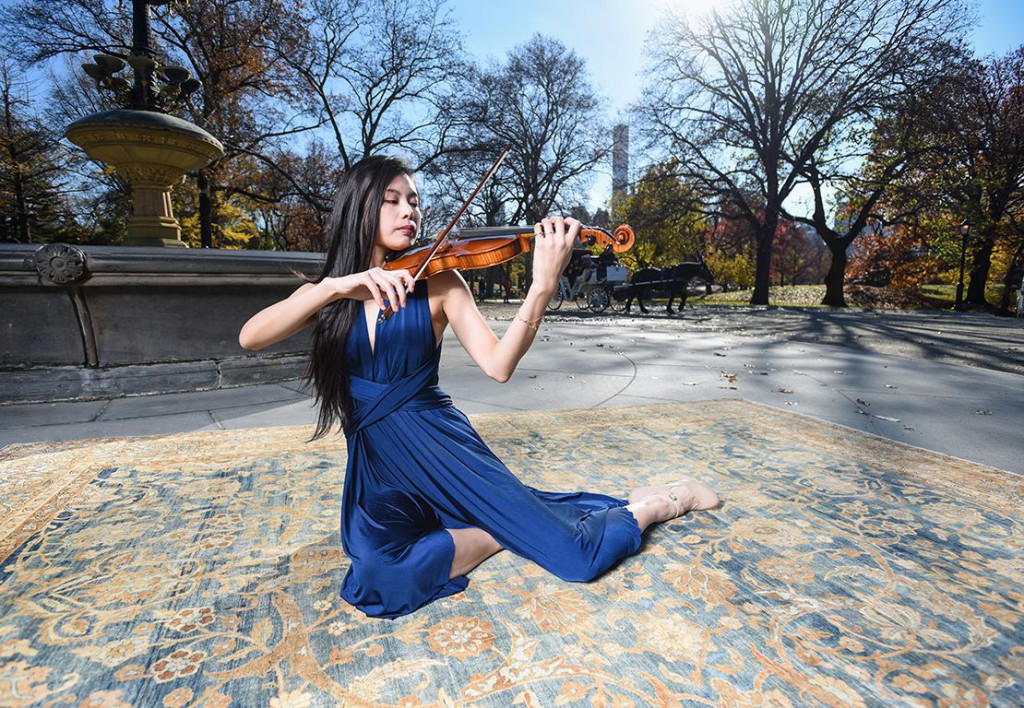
<point x="283" y="319"/>
<point x="383" y="286"/>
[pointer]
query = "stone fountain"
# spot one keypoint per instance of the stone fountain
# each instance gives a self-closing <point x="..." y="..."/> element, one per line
<point x="148" y="148"/>
<point x="93" y="322"/>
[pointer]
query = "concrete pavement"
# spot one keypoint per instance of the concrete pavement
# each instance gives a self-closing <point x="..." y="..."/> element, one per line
<point x="895" y="375"/>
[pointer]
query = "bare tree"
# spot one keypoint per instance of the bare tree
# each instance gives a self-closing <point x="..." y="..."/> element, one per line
<point x="747" y="99"/>
<point x="383" y="75"/>
<point x="539" y="103"/>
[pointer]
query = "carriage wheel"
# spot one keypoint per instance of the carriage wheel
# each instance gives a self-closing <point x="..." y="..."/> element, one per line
<point x="583" y="300"/>
<point x="617" y="302"/>
<point x="557" y="300"/>
<point x="598" y="300"/>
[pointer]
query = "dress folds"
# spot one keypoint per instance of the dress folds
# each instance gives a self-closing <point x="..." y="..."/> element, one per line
<point x="416" y="467"/>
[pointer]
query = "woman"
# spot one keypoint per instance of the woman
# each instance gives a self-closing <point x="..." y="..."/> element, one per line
<point x="425" y="501"/>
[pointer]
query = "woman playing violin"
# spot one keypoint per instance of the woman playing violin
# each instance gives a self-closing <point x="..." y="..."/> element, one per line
<point x="425" y="500"/>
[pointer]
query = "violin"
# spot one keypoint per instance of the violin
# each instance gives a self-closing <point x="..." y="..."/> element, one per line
<point x="480" y="248"/>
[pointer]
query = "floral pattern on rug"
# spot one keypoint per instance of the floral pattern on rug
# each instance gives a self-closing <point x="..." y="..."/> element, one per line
<point x="203" y="570"/>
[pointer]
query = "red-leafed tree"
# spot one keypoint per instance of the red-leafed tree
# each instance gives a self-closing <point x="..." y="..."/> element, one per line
<point x="800" y="256"/>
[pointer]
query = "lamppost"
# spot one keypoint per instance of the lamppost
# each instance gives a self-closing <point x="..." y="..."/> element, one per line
<point x="154" y="87"/>
<point x="149" y="149"/>
<point x="965" y="231"/>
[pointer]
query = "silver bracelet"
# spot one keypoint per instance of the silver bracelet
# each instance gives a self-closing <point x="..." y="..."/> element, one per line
<point x="532" y="324"/>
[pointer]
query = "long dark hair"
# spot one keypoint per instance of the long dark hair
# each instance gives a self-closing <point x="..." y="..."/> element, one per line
<point x="352" y="230"/>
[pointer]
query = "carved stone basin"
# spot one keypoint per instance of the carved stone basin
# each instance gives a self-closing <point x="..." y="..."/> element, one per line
<point x="151" y="151"/>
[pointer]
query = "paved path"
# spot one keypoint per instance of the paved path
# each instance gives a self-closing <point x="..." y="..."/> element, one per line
<point x="948" y="382"/>
<point x="953" y="338"/>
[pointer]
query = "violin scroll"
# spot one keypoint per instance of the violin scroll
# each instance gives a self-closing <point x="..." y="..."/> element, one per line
<point x="621" y="240"/>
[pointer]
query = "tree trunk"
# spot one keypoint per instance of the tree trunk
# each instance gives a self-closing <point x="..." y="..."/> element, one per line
<point x="21" y="219"/>
<point x="763" y="268"/>
<point x="1012" y="280"/>
<point x="836" y="276"/>
<point x="21" y="206"/>
<point x="205" y="209"/>
<point x="981" y="262"/>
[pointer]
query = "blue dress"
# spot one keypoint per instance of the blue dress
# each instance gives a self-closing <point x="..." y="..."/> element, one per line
<point x="417" y="467"/>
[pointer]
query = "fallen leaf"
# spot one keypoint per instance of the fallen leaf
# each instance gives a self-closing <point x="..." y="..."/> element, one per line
<point x="891" y="386"/>
<point x="982" y="411"/>
<point x="863" y="403"/>
<point x="885" y="417"/>
<point x="783" y="390"/>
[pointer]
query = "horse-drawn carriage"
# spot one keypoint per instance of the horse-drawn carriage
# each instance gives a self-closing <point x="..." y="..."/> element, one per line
<point x="672" y="282"/>
<point x="598" y="282"/>
<point x="590" y="280"/>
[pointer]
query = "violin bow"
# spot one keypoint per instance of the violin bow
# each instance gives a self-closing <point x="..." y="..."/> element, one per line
<point x="386" y="313"/>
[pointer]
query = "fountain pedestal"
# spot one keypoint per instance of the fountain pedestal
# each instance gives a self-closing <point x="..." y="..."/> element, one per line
<point x="151" y="151"/>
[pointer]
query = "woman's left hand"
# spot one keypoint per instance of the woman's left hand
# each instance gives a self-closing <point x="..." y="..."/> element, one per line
<point x="552" y="249"/>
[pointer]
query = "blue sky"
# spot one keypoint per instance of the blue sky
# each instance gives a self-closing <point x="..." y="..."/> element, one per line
<point x="610" y="35"/>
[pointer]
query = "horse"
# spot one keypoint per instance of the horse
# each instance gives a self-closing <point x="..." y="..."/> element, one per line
<point x="674" y="279"/>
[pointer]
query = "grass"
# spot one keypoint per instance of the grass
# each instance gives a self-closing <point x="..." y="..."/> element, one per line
<point x="791" y="295"/>
<point x="947" y="293"/>
<point x="930" y="297"/>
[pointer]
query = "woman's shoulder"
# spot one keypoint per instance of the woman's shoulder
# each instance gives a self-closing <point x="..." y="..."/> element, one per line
<point x="448" y="293"/>
<point x="446" y="281"/>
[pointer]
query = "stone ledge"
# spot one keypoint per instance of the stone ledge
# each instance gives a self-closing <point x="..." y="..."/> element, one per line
<point x="105" y="307"/>
<point x="79" y="383"/>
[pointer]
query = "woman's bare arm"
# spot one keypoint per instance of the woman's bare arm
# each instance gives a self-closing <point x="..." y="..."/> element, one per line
<point x="498" y="358"/>
<point x="283" y="319"/>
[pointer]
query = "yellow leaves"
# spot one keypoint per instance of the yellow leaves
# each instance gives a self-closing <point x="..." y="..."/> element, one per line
<point x="660" y="209"/>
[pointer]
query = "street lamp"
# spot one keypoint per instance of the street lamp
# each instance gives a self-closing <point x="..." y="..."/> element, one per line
<point x="965" y="231"/>
<point x="155" y="87"/>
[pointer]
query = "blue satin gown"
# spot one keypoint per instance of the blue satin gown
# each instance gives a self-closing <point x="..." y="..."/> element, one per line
<point x="417" y="467"/>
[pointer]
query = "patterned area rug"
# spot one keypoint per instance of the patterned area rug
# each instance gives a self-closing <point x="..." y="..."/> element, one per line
<point x="203" y="570"/>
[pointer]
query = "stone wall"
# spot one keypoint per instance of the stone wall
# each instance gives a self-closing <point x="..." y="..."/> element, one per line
<point x="82" y="322"/>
